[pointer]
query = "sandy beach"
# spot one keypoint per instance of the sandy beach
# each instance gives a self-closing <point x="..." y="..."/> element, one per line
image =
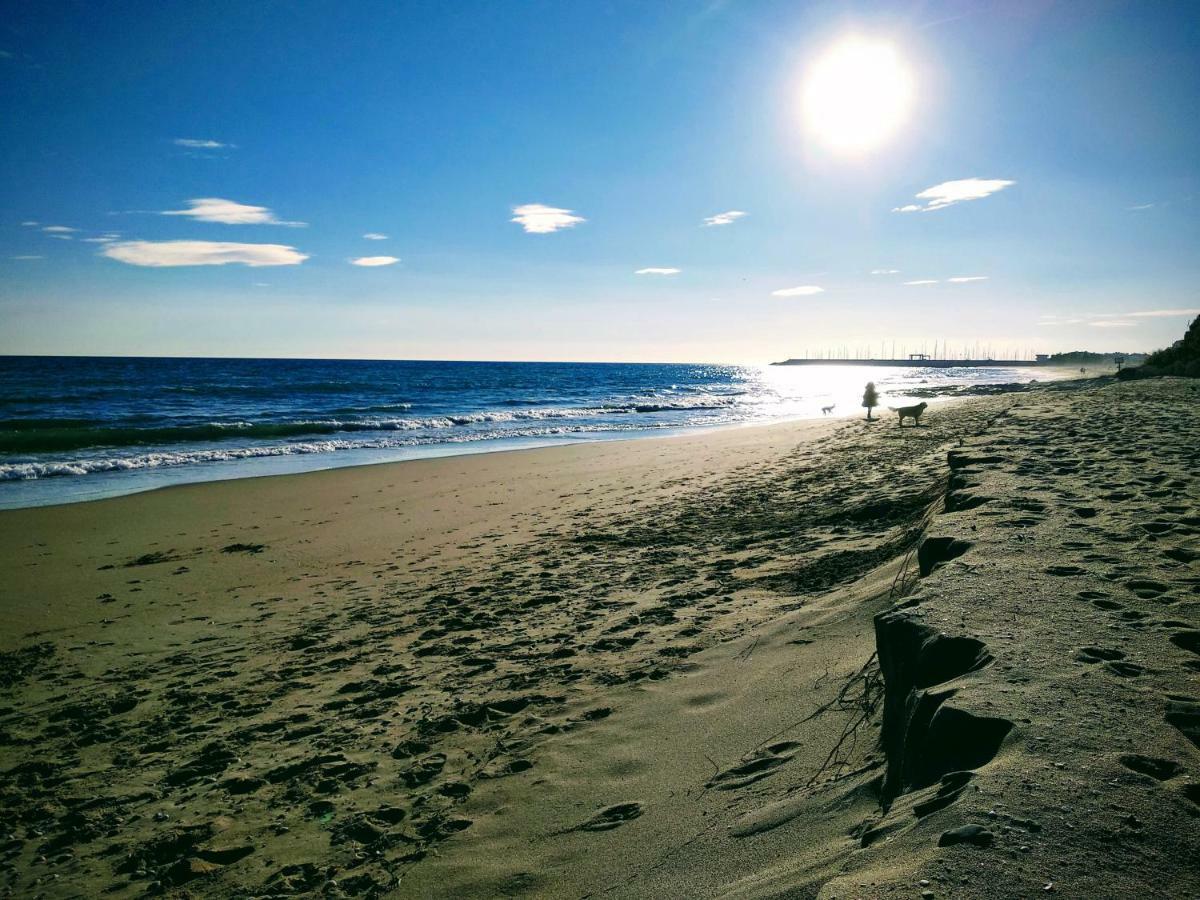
<point x="819" y="659"/>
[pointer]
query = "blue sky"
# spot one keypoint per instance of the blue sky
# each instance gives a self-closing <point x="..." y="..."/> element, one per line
<point x="431" y="122"/>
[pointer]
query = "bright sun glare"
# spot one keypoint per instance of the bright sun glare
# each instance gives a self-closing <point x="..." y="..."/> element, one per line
<point x="856" y="95"/>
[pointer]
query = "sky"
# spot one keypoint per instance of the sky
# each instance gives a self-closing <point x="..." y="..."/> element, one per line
<point x="606" y="181"/>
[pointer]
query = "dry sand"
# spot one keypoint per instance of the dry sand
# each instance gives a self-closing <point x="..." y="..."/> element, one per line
<point x="714" y="665"/>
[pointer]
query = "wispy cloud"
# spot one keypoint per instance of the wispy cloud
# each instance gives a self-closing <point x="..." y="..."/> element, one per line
<point x="923" y="281"/>
<point x="198" y="144"/>
<point x="725" y="218"/>
<point x="657" y="271"/>
<point x="1160" y="313"/>
<point x="375" y="261"/>
<point x="27" y="256"/>
<point x="885" y="271"/>
<point x="963" y="279"/>
<point x="1141" y="206"/>
<point x="950" y="192"/>
<point x="30" y="223"/>
<point x="1116" y="320"/>
<point x="58" y="229"/>
<point x="228" y="212"/>
<point x="159" y="254"/>
<point x="375" y="236"/>
<point x="537" y="218"/>
<point x="100" y="240"/>
<point x="803" y="290"/>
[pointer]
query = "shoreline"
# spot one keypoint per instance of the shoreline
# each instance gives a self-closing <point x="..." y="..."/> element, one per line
<point x="681" y="432"/>
<point x="101" y="483"/>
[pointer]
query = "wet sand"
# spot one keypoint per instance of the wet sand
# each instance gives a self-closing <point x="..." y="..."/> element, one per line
<point x="761" y="662"/>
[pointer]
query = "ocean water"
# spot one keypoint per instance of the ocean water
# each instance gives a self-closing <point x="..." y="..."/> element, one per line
<point x="79" y="428"/>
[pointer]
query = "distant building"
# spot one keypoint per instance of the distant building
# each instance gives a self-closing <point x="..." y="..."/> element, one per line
<point x="918" y="356"/>
<point x="1043" y="357"/>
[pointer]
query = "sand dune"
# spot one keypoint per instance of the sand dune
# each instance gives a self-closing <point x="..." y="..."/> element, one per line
<point x="830" y="659"/>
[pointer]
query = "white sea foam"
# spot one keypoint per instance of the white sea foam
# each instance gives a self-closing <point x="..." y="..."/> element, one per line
<point x="24" y="471"/>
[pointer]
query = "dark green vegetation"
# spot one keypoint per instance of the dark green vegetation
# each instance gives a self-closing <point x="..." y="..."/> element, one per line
<point x="1182" y="358"/>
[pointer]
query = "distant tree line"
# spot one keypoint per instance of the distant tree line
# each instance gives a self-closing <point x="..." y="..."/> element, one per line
<point x="1077" y="357"/>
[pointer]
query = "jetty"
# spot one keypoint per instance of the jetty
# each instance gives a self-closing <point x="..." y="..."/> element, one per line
<point x="917" y="361"/>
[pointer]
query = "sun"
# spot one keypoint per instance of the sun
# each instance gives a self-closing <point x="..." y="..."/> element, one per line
<point x="856" y="95"/>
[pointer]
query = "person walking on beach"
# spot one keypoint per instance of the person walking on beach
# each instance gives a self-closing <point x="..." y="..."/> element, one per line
<point x="870" y="398"/>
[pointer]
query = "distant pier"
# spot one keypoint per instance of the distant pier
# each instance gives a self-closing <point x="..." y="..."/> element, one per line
<point x="915" y="362"/>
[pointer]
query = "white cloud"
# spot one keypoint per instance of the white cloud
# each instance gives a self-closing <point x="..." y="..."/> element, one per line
<point x="228" y="212"/>
<point x="537" y="218"/>
<point x="803" y="290"/>
<point x="657" y="271"/>
<point x="30" y="224"/>
<point x="885" y="271"/>
<point x="58" y="229"/>
<point x="950" y="192"/>
<point x="923" y="281"/>
<point x="1112" y="323"/>
<point x="375" y="236"/>
<point x="196" y="144"/>
<point x="98" y="240"/>
<point x="27" y="256"/>
<point x="375" y="261"/>
<point x="1158" y="313"/>
<point x="963" y="279"/>
<point x="1141" y="207"/>
<point x="202" y="253"/>
<point x="725" y="218"/>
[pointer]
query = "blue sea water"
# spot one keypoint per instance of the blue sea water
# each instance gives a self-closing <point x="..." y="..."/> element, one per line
<point x="78" y="428"/>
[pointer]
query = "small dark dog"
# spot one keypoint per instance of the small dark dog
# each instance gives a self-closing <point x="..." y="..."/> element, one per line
<point x="826" y="410"/>
<point x="910" y="412"/>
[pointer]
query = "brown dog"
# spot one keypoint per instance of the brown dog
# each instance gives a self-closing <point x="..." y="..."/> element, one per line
<point x="910" y="412"/>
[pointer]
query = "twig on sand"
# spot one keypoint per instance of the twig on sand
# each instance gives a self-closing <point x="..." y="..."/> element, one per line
<point x="744" y="655"/>
<point x="860" y="693"/>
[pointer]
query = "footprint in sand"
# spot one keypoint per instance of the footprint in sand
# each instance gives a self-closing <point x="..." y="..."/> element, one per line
<point x="1125" y="669"/>
<point x="612" y="817"/>
<point x="1157" y="527"/>
<point x="1187" y="640"/>
<point x="1190" y="641"/>
<point x="1184" y="713"/>
<point x="1147" y="588"/>
<point x="1181" y="554"/>
<point x="754" y="769"/>
<point x="1098" y="654"/>
<point x="1065" y="571"/>
<point x="1156" y="768"/>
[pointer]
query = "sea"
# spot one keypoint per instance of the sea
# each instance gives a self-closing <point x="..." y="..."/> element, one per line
<point x="82" y="428"/>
